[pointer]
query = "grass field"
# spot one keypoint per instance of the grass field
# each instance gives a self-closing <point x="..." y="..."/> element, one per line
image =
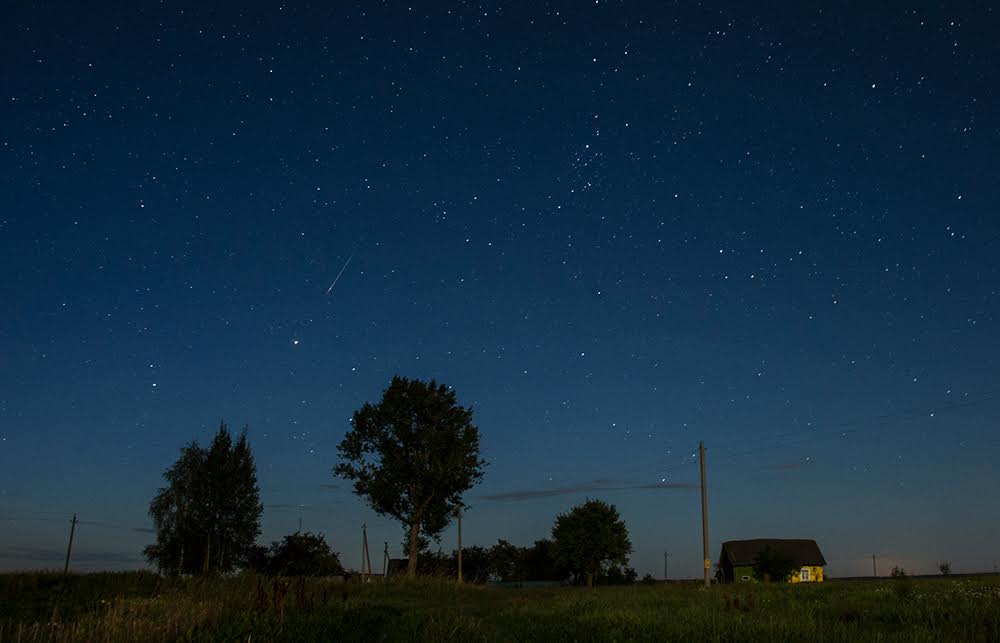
<point x="144" y="607"/>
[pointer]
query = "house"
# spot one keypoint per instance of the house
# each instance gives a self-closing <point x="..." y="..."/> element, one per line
<point x="736" y="561"/>
<point x="397" y="567"/>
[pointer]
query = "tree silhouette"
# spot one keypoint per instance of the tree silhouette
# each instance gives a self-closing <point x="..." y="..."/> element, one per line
<point x="207" y="518"/>
<point x="412" y="456"/>
<point x="303" y="554"/>
<point x="541" y="564"/>
<point x="771" y="564"/>
<point x="590" y="539"/>
<point x="507" y="562"/>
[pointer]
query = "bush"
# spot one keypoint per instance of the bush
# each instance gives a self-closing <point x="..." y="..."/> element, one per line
<point x="773" y="565"/>
<point x="303" y="554"/>
<point x="616" y="575"/>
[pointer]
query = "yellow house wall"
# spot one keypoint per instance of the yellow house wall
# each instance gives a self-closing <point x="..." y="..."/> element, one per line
<point x="815" y="575"/>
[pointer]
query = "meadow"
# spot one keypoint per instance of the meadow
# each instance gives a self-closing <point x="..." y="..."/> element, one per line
<point x="145" y="607"/>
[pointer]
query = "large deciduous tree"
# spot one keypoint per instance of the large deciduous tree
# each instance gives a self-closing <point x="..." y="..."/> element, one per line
<point x="590" y="539"/>
<point x="207" y="518"/>
<point x="412" y="456"/>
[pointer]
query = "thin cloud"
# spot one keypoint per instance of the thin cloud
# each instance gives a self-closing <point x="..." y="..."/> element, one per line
<point x="49" y="555"/>
<point x="535" y="493"/>
<point x="666" y="485"/>
<point x="595" y="485"/>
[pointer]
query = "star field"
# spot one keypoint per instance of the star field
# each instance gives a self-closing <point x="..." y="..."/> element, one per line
<point x="616" y="229"/>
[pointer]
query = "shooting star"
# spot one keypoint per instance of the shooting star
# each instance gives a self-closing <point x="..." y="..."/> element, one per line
<point x="335" y="279"/>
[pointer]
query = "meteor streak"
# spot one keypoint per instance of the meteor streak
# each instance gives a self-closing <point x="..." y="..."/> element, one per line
<point x="346" y="263"/>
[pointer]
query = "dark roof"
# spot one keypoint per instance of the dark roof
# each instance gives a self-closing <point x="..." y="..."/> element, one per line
<point x="397" y="566"/>
<point x="802" y="551"/>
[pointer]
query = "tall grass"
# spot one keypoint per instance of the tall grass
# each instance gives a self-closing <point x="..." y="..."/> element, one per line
<point x="145" y="607"/>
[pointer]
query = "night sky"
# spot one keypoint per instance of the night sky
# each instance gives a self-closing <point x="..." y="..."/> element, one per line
<point x="616" y="229"/>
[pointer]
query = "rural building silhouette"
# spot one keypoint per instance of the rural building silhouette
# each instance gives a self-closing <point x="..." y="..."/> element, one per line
<point x="738" y="557"/>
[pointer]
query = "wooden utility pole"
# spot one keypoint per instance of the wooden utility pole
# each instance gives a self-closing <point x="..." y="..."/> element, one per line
<point x="385" y="560"/>
<point x="460" y="543"/>
<point x="69" y="548"/>
<point x="874" y="569"/>
<point x="704" y="516"/>
<point x="665" y="557"/>
<point x="365" y="558"/>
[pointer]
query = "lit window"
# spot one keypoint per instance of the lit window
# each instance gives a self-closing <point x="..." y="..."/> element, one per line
<point x="745" y="578"/>
<point x="804" y="575"/>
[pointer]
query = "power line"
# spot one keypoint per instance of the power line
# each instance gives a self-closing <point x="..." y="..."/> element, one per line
<point x="769" y="443"/>
<point x="89" y="523"/>
<point x="880" y="420"/>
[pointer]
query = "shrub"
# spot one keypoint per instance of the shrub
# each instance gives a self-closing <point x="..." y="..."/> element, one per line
<point x="773" y="565"/>
<point x="303" y="554"/>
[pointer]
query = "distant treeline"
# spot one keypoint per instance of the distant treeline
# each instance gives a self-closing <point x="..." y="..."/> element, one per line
<point x="508" y="563"/>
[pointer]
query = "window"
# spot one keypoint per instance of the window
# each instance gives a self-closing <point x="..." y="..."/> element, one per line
<point x="804" y="574"/>
<point x="744" y="578"/>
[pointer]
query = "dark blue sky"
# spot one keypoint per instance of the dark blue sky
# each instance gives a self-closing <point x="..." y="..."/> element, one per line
<point x="615" y="229"/>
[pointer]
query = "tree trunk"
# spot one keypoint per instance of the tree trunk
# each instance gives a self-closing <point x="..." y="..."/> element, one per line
<point x="590" y="579"/>
<point x="411" y="566"/>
